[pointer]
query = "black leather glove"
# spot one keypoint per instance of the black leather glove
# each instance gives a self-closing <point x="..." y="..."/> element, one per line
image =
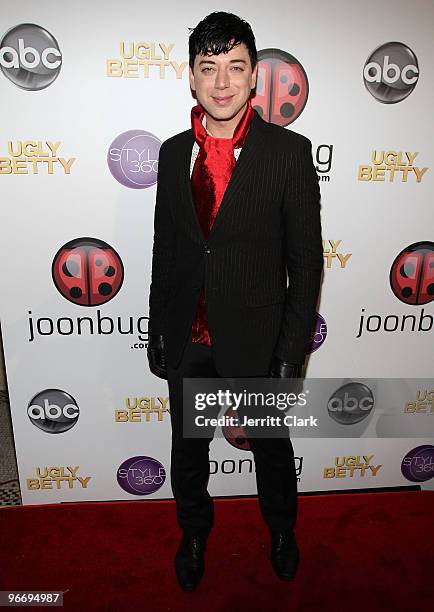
<point x="157" y="356"/>
<point x="284" y="369"/>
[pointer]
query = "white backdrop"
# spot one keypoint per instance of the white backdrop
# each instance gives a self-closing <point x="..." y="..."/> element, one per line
<point x="85" y="109"/>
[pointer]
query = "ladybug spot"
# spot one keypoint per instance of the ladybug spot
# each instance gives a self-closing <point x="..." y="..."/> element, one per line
<point x="406" y="292"/>
<point x="294" y="90"/>
<point x="70" y="268"/>
<point x="287" y="110"/>
<point x="431" y="264"/>
<point x="98" y="262"/>
<point x="283" y="78"/>
<point x="109" y="271"/>
<point x="240" y="440"/>
<point x="75" y="292"/>
<point x="430" y="289"/>
<point x="104" y="289"/>
<point x="407" y="270"/>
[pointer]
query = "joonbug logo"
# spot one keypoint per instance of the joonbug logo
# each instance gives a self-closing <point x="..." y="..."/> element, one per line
<point x="87" y="271"/>
<point x="412" y="274"/>
<point x="282" y="88"/>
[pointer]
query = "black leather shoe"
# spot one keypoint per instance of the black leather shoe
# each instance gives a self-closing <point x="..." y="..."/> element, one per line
<point x="284" y="554"/>
<point x="189" y="561"/>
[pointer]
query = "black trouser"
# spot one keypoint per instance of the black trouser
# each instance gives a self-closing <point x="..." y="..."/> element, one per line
<point x="276" y="477"/>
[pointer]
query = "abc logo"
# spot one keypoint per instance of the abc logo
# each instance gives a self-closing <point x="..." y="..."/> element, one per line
<point x="391" y="72"/>
<point x="53" y="411"/>
<point x="351" y="403"/>
<point x="30" y="57"/>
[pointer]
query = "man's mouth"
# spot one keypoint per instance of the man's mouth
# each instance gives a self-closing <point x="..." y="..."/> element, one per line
<point x="223" y="101"/>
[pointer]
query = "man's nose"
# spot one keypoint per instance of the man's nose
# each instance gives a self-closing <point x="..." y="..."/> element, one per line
<point x="222" y="78"/>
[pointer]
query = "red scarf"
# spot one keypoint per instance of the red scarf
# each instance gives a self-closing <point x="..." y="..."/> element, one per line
<point x="211" y="174"/>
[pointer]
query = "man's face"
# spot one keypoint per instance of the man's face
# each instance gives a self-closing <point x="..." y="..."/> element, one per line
<point x="223" y="82"/>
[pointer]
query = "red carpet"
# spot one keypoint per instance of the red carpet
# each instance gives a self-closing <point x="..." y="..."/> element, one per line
<point x="359" y="552"/>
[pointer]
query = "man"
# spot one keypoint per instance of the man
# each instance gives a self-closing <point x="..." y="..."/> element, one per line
<point x="237" y="215"/>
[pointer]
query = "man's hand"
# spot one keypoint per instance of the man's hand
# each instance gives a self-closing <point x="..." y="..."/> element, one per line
<point x="284" y="369"/>
<point x="156" y="356"/>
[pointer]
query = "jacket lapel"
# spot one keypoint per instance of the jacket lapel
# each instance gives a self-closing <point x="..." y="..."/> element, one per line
<point x="184" y="182"/>
<point x="242" y="170"/>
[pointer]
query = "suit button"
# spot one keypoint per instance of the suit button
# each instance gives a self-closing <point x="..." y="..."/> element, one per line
<point x="207" y="250"/>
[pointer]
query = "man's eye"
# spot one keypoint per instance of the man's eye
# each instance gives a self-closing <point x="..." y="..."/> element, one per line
<point x="237" y="68"/>
<point x="207" y="69"/>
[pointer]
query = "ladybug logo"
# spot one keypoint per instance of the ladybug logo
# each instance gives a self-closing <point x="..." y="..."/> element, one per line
<point x="235" y="434"/>
<point x="282" y="87"/>
<point x="87" y="271"/>
<point x="412" y="274"/>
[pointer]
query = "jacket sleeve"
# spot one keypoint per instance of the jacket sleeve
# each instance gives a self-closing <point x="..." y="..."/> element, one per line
<point x="163" y="251"/>
<point x="303" y="252"/>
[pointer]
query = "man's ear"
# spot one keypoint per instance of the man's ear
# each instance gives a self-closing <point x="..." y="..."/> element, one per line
<point x="254" y="76"/>
<point x="191" y="78"/>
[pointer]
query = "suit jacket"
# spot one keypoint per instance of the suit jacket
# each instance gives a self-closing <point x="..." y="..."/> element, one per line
<point x="261" y="265"/>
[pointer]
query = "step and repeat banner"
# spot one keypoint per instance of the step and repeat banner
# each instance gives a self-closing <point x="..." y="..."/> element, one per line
<point x="88" y="93"/>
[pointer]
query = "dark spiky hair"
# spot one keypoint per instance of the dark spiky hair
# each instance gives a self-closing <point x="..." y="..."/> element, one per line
<point x="218" y="33"/>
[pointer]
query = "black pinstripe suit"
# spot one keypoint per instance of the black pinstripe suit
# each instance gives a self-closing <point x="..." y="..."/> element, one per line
<point x="268" y="223"/>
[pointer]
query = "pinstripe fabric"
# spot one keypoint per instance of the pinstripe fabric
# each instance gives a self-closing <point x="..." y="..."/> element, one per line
<point x="262" y="263"/>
